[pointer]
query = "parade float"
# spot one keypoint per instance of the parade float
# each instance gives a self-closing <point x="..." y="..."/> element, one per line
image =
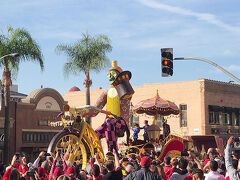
<point x="79" y="141"/>
<point x="170" y="145"/>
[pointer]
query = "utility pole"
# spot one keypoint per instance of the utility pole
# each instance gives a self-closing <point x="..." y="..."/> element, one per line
<point x="212" y="63"/>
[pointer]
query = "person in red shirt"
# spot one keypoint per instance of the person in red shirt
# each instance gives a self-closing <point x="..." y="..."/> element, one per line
<point x="7" y="174"/>
<point x="42" y="174"/>
<point x="167" y="162"/>
<point x="23" y="168"/>
<point x="174" y="163"/>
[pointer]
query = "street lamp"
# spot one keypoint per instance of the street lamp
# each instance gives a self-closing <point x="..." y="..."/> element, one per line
<point x="6" y="83"/>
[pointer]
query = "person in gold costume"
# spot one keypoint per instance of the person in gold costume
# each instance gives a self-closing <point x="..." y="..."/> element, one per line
<point x="117" y="99"/>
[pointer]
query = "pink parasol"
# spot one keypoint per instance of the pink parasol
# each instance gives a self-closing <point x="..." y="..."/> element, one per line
<point x="156" y="106"/>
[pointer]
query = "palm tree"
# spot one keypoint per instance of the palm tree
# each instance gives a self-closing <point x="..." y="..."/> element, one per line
<point x="85" y="55"/>
<point x="16" y="42"/>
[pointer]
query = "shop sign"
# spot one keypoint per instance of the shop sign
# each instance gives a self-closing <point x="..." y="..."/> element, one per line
<point x="196" y="131"/>
<point x="42" y="122"/>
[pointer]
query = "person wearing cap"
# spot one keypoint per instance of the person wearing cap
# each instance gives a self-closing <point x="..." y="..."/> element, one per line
<point x="144" y="173"/>
<point x="117" y="99"/>
<point x="55" y="172"/>
<point x="71" y="172"/>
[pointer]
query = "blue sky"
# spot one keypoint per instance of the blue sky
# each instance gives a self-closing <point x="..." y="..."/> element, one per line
<point x="138" y="29"/>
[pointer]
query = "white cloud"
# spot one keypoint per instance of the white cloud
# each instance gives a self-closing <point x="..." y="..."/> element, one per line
<point x="210" y="18"/>
<point x="233" y="67"/>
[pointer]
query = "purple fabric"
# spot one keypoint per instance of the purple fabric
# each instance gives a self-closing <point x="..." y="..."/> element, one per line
<point x="60" y="114"/>
<point x="111" y="129"/>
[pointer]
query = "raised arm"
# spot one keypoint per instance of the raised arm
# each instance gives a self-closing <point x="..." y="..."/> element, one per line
<point x="98" y="162"/>
<point x="117" y="163"/>
<point x="233" y="173"/>
<point x="53" y="166"/>
<point x="192" y="156"/>
<point x="101" y="102"/>
<point x="36" y="162"/>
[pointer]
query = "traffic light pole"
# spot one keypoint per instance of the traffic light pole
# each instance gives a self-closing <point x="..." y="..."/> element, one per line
<point x="209" y="62"/>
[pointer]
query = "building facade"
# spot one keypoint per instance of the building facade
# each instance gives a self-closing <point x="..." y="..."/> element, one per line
<point x="207" y="107"/>
<point x="30" y="117"/>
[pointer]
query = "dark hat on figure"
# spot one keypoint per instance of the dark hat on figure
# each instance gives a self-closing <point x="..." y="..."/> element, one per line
<point x="123" y="76"/>
<point x="120" y="80"/>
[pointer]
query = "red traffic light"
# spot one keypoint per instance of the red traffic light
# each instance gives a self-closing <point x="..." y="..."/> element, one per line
<point x="165" y="62"/>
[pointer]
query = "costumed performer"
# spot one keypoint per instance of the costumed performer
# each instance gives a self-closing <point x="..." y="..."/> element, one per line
<point x="118" y="99"/>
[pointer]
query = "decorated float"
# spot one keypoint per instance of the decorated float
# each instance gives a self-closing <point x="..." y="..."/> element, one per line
<point x="170" y="145"/>
<point x="78" y="141"/>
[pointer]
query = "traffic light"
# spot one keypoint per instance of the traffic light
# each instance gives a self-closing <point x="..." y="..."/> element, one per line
<point x="167" y="61"/>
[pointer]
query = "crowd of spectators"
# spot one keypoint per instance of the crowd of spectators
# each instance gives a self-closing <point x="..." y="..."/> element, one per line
<point x="210" y="165"/>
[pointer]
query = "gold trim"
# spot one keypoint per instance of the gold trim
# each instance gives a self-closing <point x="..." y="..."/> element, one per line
<point x="166" y="144"/>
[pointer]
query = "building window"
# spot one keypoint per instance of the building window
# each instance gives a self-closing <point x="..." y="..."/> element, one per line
<point x="236" y="118"/>
<point x="183" y="117"/>
<point x="35" y="137"/>
<point x="214" y="117"/>
<point x="227" y="118"/>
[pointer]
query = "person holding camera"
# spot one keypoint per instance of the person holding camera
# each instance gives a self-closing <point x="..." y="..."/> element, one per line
<point x="233" y="173"/>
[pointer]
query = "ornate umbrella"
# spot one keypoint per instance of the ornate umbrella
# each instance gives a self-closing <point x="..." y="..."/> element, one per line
<point x="156" y="106"/>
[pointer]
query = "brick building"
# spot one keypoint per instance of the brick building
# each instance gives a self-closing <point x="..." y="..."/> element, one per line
<point x="30" y="116"/>
<point x="207" y="107"/>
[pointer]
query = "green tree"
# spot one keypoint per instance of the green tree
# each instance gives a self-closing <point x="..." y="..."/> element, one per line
<point x="87" y="54"/>
<point x="17" y="42"/>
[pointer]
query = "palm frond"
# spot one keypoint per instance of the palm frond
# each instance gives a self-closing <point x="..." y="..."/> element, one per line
<point x="88" y="53"/>
<point x="20" y="41"/>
